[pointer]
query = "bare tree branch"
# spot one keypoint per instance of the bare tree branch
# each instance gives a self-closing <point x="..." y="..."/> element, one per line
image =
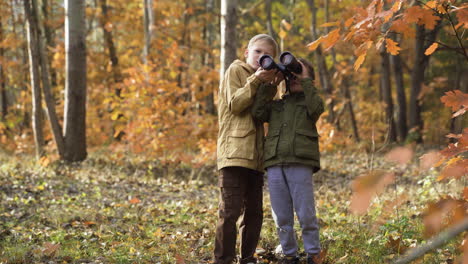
<point x="434" y="243"/>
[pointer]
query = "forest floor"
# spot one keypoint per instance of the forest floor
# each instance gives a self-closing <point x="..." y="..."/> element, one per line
<point x="124" y="211"/>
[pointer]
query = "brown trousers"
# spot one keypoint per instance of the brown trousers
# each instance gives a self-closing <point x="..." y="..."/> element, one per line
<point x="241" y="196"/>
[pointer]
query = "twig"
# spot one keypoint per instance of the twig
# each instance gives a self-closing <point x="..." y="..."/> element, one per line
<point x="434" y="243"/>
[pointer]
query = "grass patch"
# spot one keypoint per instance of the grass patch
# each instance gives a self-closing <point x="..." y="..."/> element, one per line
<point x="103" y="211"/>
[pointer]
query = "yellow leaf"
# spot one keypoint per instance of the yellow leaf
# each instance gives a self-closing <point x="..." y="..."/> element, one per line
<point x="431" y="49"/>
<point x="392" y="46"/>
<point x="314" y="45"/>
<point x="282" y="34"/>
<point x="330" y="24"/>
<point x="431" y="4"/>
<point x="331" y="38"/>
<point x="359" y="61"/>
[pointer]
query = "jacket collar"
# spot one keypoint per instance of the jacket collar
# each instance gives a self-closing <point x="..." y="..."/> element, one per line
<point x="244" y="65"/>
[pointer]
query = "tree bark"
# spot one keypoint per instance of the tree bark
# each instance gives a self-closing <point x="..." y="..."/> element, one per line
<point x="402" y="127"/>
<point x="269" y="24"/>
<point x="49" y="36"/>
<point x="75" y="81"/>
<point x="228" y="34"/>
<point x="30" y="10"/>
<point x="109" y="42"/>
<point x="324" y="75"/>
<point x="148" y="22"/>
<point x="49" y="99"/>
<point x="417" y="78"/>
<point x="387" y="95"/>
<point x="3" y="98"/>
<point x="349" y="106"/>
<point x="208" y="58"/>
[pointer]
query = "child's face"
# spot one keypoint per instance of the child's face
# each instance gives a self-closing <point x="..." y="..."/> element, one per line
<point x="256" y="50"/>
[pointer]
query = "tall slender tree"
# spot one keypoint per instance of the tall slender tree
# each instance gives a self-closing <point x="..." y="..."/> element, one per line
<point x="30" y="10"/>
<point x="228" y="34"/>
<point x="424" y="38"/>
<point x="3" y="98"/>
<point x="75" y="83"/>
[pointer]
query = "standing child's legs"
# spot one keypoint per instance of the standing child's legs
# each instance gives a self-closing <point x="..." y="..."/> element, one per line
<point x="237" y="197"/>
<point x="302" y="192"/>
<point x="282" y="206"/>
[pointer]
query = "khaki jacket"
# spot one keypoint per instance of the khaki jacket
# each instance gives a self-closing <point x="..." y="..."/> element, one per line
<point x="240" y="138"/>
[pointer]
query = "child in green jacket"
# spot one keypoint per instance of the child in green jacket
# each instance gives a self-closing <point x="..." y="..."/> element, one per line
<point x="291" y="157"/>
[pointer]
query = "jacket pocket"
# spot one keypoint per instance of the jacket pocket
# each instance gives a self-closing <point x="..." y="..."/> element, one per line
<point x="306" y="144"/>
<point x="271" y="144"/>
<point x="241" y="144"/>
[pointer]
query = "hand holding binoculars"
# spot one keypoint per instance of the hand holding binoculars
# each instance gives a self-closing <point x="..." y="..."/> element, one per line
<point x="288" y="64"/>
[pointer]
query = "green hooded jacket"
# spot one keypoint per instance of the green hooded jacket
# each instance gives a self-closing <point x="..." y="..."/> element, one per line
<point x="292" y="135"/>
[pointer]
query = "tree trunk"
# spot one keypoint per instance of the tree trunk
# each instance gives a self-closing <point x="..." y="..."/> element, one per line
<point x="324" y="75"/>
<point x="208" y="58"/>
<point x="49" y="98"/>
<point x="30" y="10"/>
<point x="387" y="95"/>
<point x="109" y="42"/>
<point x="3" y="98"/>
<point x="269" y="24"/>
<point x="349" y="106"/>
<point x="417" y="79"/>
<point x="228" y="34"/>
<point x="402" y="127"/>
<point x="460" y="83"/>
<point x="49" y="36"/>
<point x="75" y="81"/>
<point x="148" y="21"/>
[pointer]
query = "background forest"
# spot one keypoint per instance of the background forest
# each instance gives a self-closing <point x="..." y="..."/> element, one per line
<point x="131" y="87"/>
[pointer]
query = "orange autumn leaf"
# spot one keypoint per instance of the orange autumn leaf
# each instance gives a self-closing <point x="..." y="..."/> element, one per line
<point x="455" y="99"/>
<point x="359" y="61"/>
<point x="330" y="24"/>
<point x="366" y="186"/>
<point x="314" y="45"/>
<point x="400" y="155"/>
<point x="431" y="49"/>
<point x="462" y="16"/>
<point x="392" y="46"/>
<point x="330" y="39"/>
<point x="134" y="200"/>
<point x="429" y="159"/>
<point x="455" y="170"/>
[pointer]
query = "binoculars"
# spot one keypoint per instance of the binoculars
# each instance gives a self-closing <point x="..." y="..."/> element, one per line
<point x="288" y="64"/>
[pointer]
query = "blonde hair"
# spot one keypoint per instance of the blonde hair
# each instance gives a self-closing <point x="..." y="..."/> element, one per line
<point x="265" y="37"/>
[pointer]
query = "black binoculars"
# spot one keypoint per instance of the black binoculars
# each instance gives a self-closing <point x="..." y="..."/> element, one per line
<point x="288" y="64"/>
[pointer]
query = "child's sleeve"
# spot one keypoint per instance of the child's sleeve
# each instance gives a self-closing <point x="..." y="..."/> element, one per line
<point x="314" y="102"/>
<point x="261" y="108"/>
<point x="240" y="95"/>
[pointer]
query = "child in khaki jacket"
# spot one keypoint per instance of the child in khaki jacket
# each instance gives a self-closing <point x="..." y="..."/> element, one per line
<point x="240" y="154"/>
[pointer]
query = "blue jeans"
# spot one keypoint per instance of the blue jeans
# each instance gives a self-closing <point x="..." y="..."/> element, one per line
<point x="291" y="189"/>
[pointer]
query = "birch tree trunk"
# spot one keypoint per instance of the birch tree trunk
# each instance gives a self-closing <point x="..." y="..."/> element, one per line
<point x="228" y="34"/>
<point x="75" y="81"/>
